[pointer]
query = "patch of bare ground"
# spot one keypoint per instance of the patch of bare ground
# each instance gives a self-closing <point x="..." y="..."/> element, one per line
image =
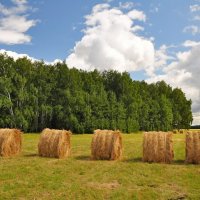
<point x="178" y="193"/>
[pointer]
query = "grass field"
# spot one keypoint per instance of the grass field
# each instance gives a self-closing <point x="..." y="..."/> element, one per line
<point x="28" y="176"/>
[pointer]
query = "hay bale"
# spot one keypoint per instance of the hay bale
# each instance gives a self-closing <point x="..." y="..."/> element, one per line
<point x="54" y="143"/>
<point x="193" y="147"/>
<point x="10" y="142"/>
<point x="175" y="131"/>
<point x="106" y="145"/>
<point x="158" y="147"/>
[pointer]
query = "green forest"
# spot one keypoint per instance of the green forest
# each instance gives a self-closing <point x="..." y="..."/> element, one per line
<point x="34" y="95"/>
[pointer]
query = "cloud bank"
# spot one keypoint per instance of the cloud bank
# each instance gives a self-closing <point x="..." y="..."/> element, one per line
<point x="184" y="73"/>
<point x="14" y="23"/>
<point x="16" y="56"/>
<point x="111" y="41"/>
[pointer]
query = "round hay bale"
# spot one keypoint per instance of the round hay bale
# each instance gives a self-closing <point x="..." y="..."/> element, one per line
<point x="192" y="147"/>
<point x="54" y="143"/>
<point x="175" y="131"/>
<point x="158" y="147"/>
<point x="106" y="145"/>
<point x="10" y="142"/>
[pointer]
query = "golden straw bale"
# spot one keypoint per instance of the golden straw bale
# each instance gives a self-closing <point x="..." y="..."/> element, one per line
<point x="10" y="142"/>
<point x="193" y="147"/>
<point x="158" y="147"/>
<point x="175" y="131"/>
<point x="54" y="143"/>
<point x="106" y="145"/>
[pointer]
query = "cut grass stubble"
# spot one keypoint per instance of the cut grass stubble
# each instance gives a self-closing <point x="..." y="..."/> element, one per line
<point x="29" y="176"/>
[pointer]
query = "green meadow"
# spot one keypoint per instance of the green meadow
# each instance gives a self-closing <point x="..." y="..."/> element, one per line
<point x="28" y="176"/>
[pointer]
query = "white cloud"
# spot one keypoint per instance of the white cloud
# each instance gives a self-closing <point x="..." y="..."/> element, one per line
<point x="190" y="43"/>
<point x="14" y="23"/>
<point x="15" y="55"/>
<point x="184" y="73"/>
<point x="19" y="1"/>
<point x="54" y="62"/>
<point x="109" y="42"/>
<point x="126" y="5"/>
<point x="12" y="37"/>
<point x="195" y="8"/>
<point x="162" y="57"/>
<point x="137" y="28"/>
<point x="196" y="17"/>
<point x="137" y="15"/>
<point x="196" y="118"/>
<point x="192" y="29"/>
<point x="19" y="8"/>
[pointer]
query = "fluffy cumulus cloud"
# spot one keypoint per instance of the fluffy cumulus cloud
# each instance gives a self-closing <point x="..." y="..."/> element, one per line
<point x="137" y="15"/>
<point x="14" y="23"/>
<point x="184" y="73"/>
<point x="111" y="41"/>
<point x="16" y="56"/>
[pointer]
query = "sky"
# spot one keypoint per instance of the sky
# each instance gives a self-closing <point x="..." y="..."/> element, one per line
<point x="153" y="40"/>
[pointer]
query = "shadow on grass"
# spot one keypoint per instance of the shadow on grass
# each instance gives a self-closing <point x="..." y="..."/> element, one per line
<point x="31" y="155"/>
<point x="84" y="158"/>
<point x="139" y="160"/>
<point x="178" y="162"/>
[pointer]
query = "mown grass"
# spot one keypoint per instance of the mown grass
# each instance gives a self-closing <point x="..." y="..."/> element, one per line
<point x="28" y="176"/>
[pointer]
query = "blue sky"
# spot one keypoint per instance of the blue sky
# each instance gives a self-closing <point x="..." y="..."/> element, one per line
<point x="54" y="34"/>
<point x="153" y="40"/>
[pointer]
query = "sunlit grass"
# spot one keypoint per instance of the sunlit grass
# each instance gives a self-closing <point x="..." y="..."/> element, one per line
<point x="28" y="176"/>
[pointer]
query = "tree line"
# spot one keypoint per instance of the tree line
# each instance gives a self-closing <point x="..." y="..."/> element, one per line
<point x="34" y="95"/>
